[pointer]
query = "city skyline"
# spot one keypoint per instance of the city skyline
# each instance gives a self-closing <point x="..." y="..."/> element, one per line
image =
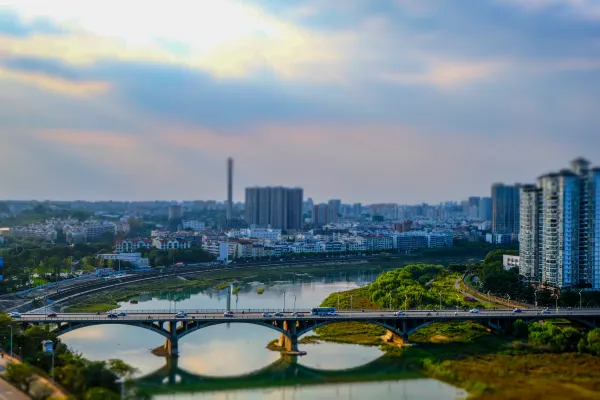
<point x="370" y="101"/>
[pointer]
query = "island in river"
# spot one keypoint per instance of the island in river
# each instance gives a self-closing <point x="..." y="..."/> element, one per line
<point x="541" y="360"/>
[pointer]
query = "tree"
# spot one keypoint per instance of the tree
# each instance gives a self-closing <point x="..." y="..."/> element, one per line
<point x="121" y="369"/>
<point x="99" y="393"/>
<point x="21" y="375"/>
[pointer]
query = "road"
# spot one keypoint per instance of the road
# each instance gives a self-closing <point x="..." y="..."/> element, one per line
<point x="163" y="315"/>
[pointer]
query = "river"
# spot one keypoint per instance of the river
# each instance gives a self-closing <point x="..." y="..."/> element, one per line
<point x="237" y="351"/>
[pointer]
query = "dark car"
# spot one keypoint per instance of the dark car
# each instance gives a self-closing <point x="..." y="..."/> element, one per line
<point x="112" y="316"/>
<point x="52" y="315"/>
<point x="279" y="314"/>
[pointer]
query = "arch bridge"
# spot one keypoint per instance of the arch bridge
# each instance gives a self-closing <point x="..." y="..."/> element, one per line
<point x="292" y="327"/>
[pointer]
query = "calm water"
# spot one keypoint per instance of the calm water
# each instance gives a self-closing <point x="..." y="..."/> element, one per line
<point x="232" y="350"/>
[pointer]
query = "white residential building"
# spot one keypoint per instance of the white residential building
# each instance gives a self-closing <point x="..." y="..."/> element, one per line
<point x="194" y="225"/>
<point x="132" y="245"/>
<point x="509" y="261"/>
<point x="134" y="258"/>
<point x="165" y="244"/>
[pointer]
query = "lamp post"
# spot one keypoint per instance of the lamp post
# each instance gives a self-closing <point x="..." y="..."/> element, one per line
<point x="580" y="299"/>
<point x="535" y="296"/>
<point x="440" y="301"/>
<point x="294" y="301"/>
<point x="350" y="303"/>
<point x="489" y="298"/>
<point x="122" y="382"/>
<point x="11" y="340"/>
<point x="508" y="297"/>
<point x="283" y="301"/>
<point x="48" y="347"/>
<point x="556" y="299"/>
<point x="338" y="297"/>
<point x="406" y="303"/>
<point x="457" y="302"/>
<point x="390" y="300"/>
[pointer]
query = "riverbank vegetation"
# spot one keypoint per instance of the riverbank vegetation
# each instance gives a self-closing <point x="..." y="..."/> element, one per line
<point x="75" y="374"/>
<point x="528" y="361"/>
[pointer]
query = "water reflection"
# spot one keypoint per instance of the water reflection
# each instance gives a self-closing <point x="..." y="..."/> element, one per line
<point x="422" y="389"/>
<point x="287" y="371"/>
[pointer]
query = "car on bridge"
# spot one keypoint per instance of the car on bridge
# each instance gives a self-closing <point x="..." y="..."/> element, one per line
<point x="181" y="314"/>
<point x="14" y="314"/>
<point x="296" y="314"/>
<point x="546" y="311"/>
<point x="267" y="315"/>
<point x="228" y="314"/>
<point x="52" y="315"/>
<point x="474" y="311"/>
<point x="279" y="314"/>
<point x="112" y="315"/>
<point x="517" y="310"/>
<point x="399" y="313"/>
<point x="122" y="314"/>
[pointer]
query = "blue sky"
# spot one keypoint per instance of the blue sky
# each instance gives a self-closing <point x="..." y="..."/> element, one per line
<point x="365" y="100"/>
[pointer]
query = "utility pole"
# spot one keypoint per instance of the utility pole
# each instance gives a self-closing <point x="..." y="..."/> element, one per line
<point x="580" y="299"/>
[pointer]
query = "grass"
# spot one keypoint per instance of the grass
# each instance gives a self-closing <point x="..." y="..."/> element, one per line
<point x="348" y="332"/>
<point x="102" y="307"/>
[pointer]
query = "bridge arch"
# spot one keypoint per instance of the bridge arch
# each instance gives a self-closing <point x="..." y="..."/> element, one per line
<point x="64" y="328"/>
<point x="322" y="323"/>
<point x="200" y="324"/>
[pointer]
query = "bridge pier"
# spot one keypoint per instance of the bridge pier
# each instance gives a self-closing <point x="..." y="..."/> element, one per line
<point x="394" y="338"/>
<point x="289" y="343"/>
<point x="172" y="347"/>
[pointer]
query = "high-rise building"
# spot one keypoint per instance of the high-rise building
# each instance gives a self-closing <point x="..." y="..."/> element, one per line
<point x="174" y="222"/>
<point x="560" y="228"/>
<point x="485" y="209"/>
<point x="320" y="215"/>
<point x="229" y="188"/>
<point x="505" y="208"/>
<point x="277" y="207"/>
<point x="334" y="210"/>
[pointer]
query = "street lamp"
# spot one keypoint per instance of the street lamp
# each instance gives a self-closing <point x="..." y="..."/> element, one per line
<point x="406" y="302"/>
<point x="338" y="297"/>
<point x="508" y="297"/>
<point x="122" y="382"/>
<point x="556" y="298"/>
<point x="535" y="296"/>
<point x="350" y="303"/>
<point x="390" y="300"/>
<point x="11" y="340"/>
<point x="580" y="299"/>
<point x="294" y="301"/>
<point x="283" y="301"/>
<point x="457" y="302"/>
<point x="440" y="301"/>
<point x="489" y="298"/>
<point x="48" y="347"/>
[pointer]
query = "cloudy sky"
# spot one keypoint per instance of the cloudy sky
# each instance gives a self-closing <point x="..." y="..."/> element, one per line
<point x="365" y="100"/>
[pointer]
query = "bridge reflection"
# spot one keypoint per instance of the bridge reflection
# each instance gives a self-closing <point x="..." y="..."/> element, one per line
<point x="283" y="372"/>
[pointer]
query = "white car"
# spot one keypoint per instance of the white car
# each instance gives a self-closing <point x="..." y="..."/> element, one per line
<point x="474" y="311"/>
<point x="180" y="315"/>
<point x="399" y="313"/>
<point x="228" y="314"/>
<point x="332" y="314"/>
<point x="14" y="314"/>
<point x="546" y="311"/>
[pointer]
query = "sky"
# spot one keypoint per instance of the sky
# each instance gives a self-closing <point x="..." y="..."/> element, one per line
<point x="402" y="101"/>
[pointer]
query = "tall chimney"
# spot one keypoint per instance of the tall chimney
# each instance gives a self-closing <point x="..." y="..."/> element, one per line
<point x="229" y="187"/>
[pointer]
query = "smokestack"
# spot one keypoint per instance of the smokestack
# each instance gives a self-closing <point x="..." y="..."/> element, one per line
<point x="229" y="187"/>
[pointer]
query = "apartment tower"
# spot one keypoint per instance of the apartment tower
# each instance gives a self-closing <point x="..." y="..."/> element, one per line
<point x="560" y="228"/>
<point x="277" y="207"/>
